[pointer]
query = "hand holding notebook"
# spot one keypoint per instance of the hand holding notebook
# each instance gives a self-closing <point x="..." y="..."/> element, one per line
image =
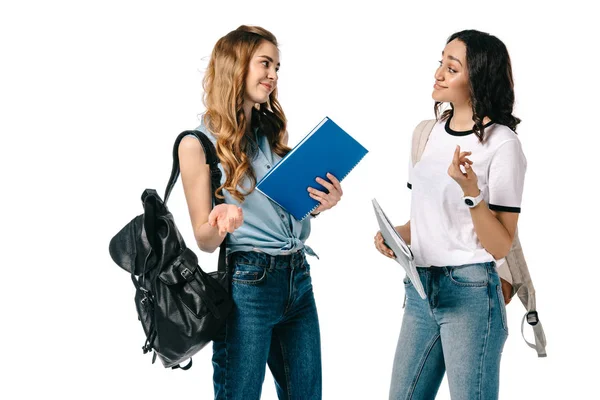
<point x="329" y="198"/>
<point x="326" y="149"/>
<point x="403" y="253"/>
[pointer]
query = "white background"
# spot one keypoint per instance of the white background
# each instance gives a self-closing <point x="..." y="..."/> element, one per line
<point x="92" y="95"/>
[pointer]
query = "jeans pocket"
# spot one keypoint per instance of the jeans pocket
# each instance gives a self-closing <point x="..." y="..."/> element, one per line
<point x="248" y="274"/>
<point x="470" y="275"/>
<point x="502" y="308"/>
<point x="406" y="280"/>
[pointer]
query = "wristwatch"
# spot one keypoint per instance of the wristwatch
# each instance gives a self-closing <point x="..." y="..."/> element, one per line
<point x="473" y="201"/>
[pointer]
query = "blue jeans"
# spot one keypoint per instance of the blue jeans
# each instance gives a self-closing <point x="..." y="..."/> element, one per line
<point x="274" y="322"/>
<point x="459" y="328"/>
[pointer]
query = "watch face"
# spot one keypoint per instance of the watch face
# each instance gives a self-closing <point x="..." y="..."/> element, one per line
<point x="469" y="202"/>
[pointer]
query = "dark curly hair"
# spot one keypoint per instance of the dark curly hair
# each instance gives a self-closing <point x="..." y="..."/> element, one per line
<point x="490" y="81"/>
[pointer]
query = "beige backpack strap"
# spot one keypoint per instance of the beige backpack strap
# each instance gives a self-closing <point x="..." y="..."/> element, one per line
<point x="420" y="138"/>
<point x="523" y="288"/>
<point x="515" y="260"/>
<point x="531" y="316"/>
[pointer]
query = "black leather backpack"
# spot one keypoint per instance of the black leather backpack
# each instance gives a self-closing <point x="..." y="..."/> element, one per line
<point x="181" y="307"/>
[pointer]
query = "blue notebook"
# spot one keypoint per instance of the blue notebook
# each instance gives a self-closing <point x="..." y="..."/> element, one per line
<point x="327" y="148"/>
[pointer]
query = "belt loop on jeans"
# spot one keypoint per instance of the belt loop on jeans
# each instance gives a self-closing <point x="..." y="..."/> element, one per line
<point x="295" y="259"/>
<point x="300" y="258"/>
<point x="272" y="262"/>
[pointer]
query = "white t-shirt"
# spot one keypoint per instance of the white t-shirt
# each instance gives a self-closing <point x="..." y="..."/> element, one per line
<point x="442" y="231"/>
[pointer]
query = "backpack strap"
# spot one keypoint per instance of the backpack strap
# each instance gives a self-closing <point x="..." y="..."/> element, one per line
<point x="211" y="159"/>
<point x="523" y="288"/>
<point x="419" y="141"/>
<point x="531" y="316"/>
<point x="420" y="138"/>
<point x="185" y="368"/>
<point x="215" y="178"/>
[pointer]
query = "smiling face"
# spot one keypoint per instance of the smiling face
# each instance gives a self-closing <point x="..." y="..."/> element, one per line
<point x="452" y="77"/>
<point x="261" y="79"/>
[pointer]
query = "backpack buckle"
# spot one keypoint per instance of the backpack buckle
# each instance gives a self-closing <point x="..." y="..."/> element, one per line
<point x="146" y="300"/>
<point x="532" y="318"/>
<point x="187" y="274"/>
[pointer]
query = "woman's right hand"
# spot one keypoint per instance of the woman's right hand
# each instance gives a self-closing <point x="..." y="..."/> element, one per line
<point x="382" y="247"/>
<point x="226" y="217"/>
<point x="506" y="290"/>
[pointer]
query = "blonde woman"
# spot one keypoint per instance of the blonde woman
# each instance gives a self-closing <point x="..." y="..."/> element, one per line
<point x="274" y="320"/>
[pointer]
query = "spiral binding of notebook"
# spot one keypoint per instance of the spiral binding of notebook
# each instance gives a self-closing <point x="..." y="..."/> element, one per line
<point x="339" y="179"/>
<point x="327" y="148"/>
<point x="311" y="210"/>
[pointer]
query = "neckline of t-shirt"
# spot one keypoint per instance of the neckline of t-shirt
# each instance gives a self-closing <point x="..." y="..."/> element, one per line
<point x="461" y="133"/>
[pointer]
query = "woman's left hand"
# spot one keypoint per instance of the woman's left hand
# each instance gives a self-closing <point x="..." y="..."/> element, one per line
<point x="327" y="200"/>
<point x="468" y="180"/>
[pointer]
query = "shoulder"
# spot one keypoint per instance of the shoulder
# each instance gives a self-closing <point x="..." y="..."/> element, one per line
<point x="504" y="147"/>
<point x="422" y="132"/>
<point x="497" y="134"/>
<point x="203" y="128"/>
<point x="501" y="137"/>
<point x="425" y="125"/>
<point x="190" y="148"/>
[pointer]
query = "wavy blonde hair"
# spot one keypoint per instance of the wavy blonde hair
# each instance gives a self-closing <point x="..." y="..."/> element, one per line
<point x="224" y="89"/>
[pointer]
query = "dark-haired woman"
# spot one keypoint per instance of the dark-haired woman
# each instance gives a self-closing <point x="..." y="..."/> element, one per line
<point x="466" y="198"/>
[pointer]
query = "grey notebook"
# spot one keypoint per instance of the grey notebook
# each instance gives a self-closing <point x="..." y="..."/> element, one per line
<point x="404" y="255"/>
